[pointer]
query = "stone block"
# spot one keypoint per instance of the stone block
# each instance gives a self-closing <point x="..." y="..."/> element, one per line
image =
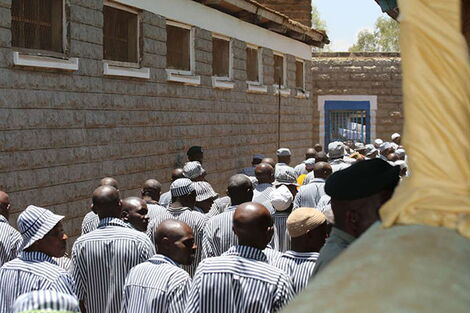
<point x="153" y="19"/>
<point x="83" y="49"/>
<point x="5" y="38"/>
<point x="86" y="16"/>
<point x="95" y="4"/>
<point x="154" y="32"/>
<point x="86" y="33"/>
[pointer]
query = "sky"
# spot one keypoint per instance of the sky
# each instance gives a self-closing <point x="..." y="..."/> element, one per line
<point x="345" y="18"/>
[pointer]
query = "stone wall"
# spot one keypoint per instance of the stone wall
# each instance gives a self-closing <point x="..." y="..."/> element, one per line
<point x="371" y="74"/>
<point x="298" y="10"/>
<point x="62" y="131"/>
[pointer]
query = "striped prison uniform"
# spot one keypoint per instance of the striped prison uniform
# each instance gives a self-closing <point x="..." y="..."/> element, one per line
<point x="101" y="260"/>
<point x="240" y="280"/>
<point x="281" y="239"/>
<point x="28" y="272"/>
<point x="90" y="222"/>
<point x="219" y="237"/>
<point x="196" y="220"/>
<point x="299" y="266"/>
<point x="309" y="195"/>
<point x="10" y="240"/>
<point x="158" y="285"/>
<point x="46" y="301"/>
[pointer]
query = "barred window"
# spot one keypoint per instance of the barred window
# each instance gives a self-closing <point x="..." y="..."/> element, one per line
<point x="37" y="24"/>
<point x="178" y="44"/>
<point x="252" y="64"/>
<point x="299" y="75"/>
<point x="120" y="35"/>
<point x="220" y="57"/>
<point x="278" y="69"/>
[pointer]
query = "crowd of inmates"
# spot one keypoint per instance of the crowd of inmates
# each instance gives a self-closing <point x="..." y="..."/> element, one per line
<point x="192" y="250"/>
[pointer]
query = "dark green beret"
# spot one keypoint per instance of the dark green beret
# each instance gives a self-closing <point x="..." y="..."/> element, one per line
<point x="362" y="179"/>
<point x="194" y="150"/>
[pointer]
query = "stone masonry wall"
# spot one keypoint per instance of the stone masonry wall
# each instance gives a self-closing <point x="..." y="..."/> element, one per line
<point x="61" y="132"/>
<point x="298" y="10"/>
<point x="372" y="74"/>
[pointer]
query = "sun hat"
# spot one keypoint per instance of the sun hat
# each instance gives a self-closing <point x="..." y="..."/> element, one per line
<point x="181" y="187"/>
<point x="302" y="220"/>
<point x="204" y="191"/>
<point x="42" y="301"/>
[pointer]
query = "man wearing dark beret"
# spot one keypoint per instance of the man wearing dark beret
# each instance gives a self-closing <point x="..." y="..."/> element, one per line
<point x="195" y="153"/>
<point x="357" y="193"/>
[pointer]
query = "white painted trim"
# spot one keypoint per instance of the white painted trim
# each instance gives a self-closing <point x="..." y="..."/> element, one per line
<point x="321" y="108"/>
<point x="301" y="94"/>
<point x="196" y="14"/>
<point x="251" y="46"/>
<point x="178" y="24"/>
<point x="70" y="64"/>
<point x="255" y="87"/>
<point x="222" y="83"/>
<point x="285" y="92"/>
<point x="222" y="37"/>
<point x="182" y="77"/>
<point x="112" y="70"/>
<point x="120" y="7"/>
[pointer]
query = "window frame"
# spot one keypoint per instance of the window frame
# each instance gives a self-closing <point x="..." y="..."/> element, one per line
<point x="230" y="57"/>
<point x="302" y="88"/>
<point x="192" y="52"/>
<point x="260" y="65"/>
<point x="138" y="34"/>
<point x="22" y="51"/>
<point x="284" y="70"/>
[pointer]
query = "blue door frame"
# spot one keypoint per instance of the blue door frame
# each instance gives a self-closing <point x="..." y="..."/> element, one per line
<point x="339" y="105"/>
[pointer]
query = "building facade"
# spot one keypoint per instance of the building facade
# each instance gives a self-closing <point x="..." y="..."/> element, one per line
<point x="91" y="89"/>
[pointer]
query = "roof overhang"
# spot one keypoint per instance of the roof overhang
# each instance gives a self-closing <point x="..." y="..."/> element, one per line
<point x="253" y="12"/>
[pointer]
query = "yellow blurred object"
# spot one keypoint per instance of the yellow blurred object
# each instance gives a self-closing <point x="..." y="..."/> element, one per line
<point x="300" y="180"/>
<point x="436" y="79"/>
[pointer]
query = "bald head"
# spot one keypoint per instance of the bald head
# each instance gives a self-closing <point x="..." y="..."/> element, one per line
<point x="177" y="173"/>
<point x="151" y="190"/>
<point x="318" y="147"/>
<point x="109" y="181"/>
<point x="106" y="202"/>
<point x="4" y="204"/>
<point x="322" y="170"/>
<point x="239" y="189"/>
<point x="134" y="212"/>
<point x="321" y="157"/>
<point x="253" y="225"/>
<point x="310" y="153"/>
<point x="175" y="240"/>
<point x="264" y="173"/>
<point x="269" y="161"/>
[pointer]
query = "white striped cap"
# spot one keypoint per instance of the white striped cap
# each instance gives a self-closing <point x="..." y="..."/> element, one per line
<point x="204" y="191"/>
<point x="49" y="301"/>
<point x="193" y="170"/>
<point x="181" y="187"/>
<point x="285" y="175"/>
<point x="34" y="223"/>
<point x="281" y="198"/>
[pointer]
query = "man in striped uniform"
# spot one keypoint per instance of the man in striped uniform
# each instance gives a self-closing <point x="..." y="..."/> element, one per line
<point x="34" y="269"/>
<point x="218" y="233"/>
<point x="183" y="199"/>
<point x="281" y="201"/>
<point x="309" y="195"/>
<point x="308" y="230"/>
<point x="165" y="198"/>
<point x="102" y="258"/>
<point x="151" y="195"/>
<point x="10" y="238"/>
<point x="91" y="220"/>
<point x="45" y="301"/>
<point x="265" y="176"/>
<point x="160" y="285"/>
<point x="241" y="280"/>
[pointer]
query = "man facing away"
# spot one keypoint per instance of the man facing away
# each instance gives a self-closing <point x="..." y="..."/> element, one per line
<point x="183" y="200"/>
<point x="265" y="176"/>
<point x="357" y="193"/>
<point x="91" y="220"/>
<point x="307" y="228"/>
<point x="241" y="280"/>
<point x="165" y="198"/>
<point x="250" y="171"/>
<point x="159" y="284"/>
<point x="102" y="258"/>
<point x="34" y="269"/>
<point x="300" y="168"/>
<point x="309" y="195"/>
<point x="10" y="238"/>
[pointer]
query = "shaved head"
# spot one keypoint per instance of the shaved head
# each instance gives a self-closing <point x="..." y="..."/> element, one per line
<point x="321" y="157"/>
<point x="311" y="153"/>
<point x="177" y="173"/>
<point x="175" y="240"/>
<point x="106" y="202"/>
<point x="264" y="173"/>
<point x="151" y="190"/>
<point x="134" y="212"/>
<point x="322" y="170"/>
<point x="109" y="181"/>
<point x="318" y="147"/>
<point x="4" y="204"/>
<point x="253" y="225"/>
<point x="269" y="161"/>
<point x="240" y="189"/>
